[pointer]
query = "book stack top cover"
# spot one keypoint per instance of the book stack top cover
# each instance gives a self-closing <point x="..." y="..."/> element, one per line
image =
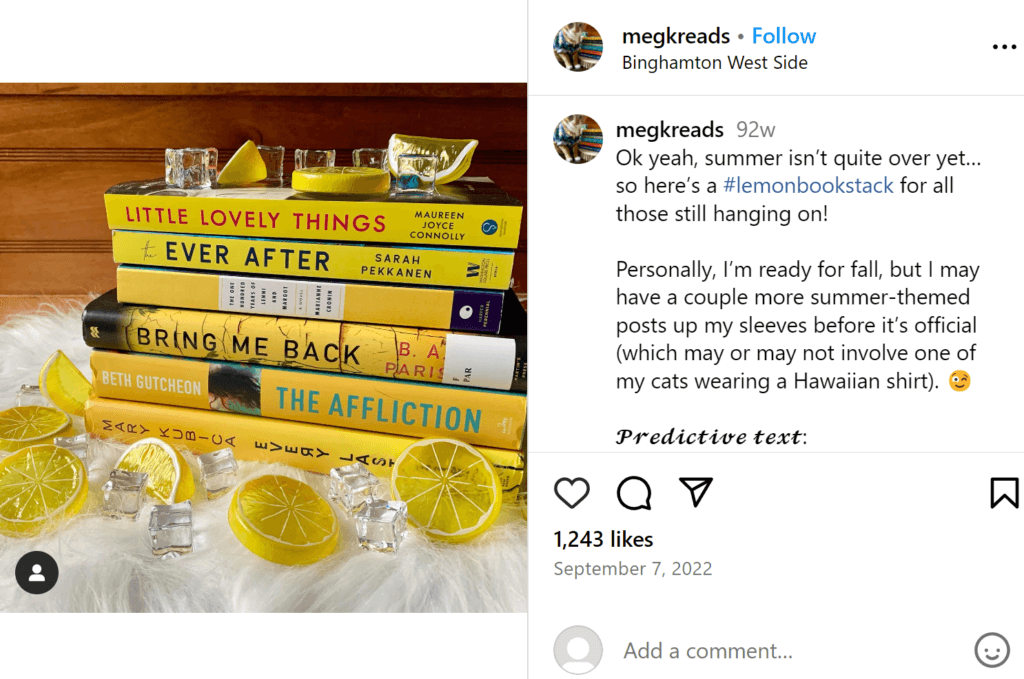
<point x="467" y="213"/>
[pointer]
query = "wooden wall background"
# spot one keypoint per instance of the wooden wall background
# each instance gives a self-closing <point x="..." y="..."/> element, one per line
<point x="62" y="146"/>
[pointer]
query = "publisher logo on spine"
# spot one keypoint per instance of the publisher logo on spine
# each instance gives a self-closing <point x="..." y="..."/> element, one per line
<point x="473" y="271"/>
<point x="489" y="227"/>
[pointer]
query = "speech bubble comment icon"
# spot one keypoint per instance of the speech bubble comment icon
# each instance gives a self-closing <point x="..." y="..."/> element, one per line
<point x="634" y="493"/>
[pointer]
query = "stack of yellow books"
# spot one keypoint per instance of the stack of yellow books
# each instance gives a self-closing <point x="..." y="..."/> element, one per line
<point x="309" y="329"/>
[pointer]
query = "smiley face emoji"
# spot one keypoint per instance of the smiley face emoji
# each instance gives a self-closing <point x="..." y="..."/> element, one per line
<point x="992" y="650"/>
<point x="959" y="380"/>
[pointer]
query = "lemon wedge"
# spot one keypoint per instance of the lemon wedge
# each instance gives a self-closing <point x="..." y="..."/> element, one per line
<point x="451" y="491"/>
<point x="245" y="167"/>
<point x="170" y="478"/>
<point x="453" y="155"/>
<point x="64" y="384"/>
<point x="342" y="180"/>
<point x="39" y="486"/>
<point x="283" y="520"/>
<point x="30" y="425"/>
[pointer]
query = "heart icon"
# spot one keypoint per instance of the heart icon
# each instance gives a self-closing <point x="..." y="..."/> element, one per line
<point x="572" y="491"/>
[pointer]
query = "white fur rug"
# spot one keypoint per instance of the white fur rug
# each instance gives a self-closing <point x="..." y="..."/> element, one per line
<point x="106" y="565"/>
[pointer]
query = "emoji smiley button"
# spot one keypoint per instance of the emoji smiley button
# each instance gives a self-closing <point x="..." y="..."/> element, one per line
<point x="992" y="649"/>
<point x="959" y="380"/>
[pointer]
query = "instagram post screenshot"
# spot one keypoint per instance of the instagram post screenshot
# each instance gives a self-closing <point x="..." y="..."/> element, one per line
<point x="264" y="328"/>
<point x="776" y="435"/>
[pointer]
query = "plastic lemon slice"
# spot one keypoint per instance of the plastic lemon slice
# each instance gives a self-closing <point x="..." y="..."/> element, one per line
<point x="342" y="180"/>
<point x="40" y="486"/>
<point x="30" y="425"/>
<point x="450" y="490"/>
<point x="453" y="155"/>
<point x="245" y="167"/>
<point x="170" y="479"/>
<point x="283" y="520"/>
<point x="63" y="383"/>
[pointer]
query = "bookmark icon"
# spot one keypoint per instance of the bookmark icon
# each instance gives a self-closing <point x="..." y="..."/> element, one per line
<point x="697" y="486"/>
<point x="1005" y="488"/>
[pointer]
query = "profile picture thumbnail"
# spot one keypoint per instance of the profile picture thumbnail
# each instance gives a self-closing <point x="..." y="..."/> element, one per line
<point x="578" y="139"/>
<point x="578" y="649"/>
<point x="578" y="46"/>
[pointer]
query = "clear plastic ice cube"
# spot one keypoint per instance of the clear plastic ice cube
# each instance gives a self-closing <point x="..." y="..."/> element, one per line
<point x="314" y="158"/>
<point x="359" y="491"/>
<point x="214" y="156"/>
<point x="124" y="493"/>
<point x="273" y="156"/>
<point x="338" y="474"/>
<point x="170" y="529"/>
<point x="381" y="525"/>
<point x="353" y="485"/>
<point x="30" y="395"/>
<point x="354" y="469"/>
<point x="416" y="173"/>
<point x="79" y="445"/>
<point x="377" y="158"/>
<point x="187" y="168"/>
<point x="219" y="471"/>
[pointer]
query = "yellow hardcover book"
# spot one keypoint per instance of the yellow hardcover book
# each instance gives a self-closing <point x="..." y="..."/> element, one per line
<point x="482" y="269"/>
<point x="483" y="311"/>
<point x="438" y="356"/>
<point x="471" y="212"/>
<point x="307" y="446"/>
<point x="476" y="416"/>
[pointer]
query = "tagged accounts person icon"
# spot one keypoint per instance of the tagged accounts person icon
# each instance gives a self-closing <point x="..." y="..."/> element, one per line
<point x="36" y="572"/>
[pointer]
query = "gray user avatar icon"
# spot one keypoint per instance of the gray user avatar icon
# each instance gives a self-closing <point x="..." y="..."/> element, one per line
<point x="578" y="649"/>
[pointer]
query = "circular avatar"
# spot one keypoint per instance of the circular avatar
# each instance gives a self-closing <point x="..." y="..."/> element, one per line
<point x="578" y="649"/>
<point x="959" y="380"/>
<point x="578" y="139"/>
<point x="578" y="46"/>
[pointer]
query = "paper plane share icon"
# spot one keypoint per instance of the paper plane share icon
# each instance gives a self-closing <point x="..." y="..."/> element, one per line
<point x="697" y="486"/>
